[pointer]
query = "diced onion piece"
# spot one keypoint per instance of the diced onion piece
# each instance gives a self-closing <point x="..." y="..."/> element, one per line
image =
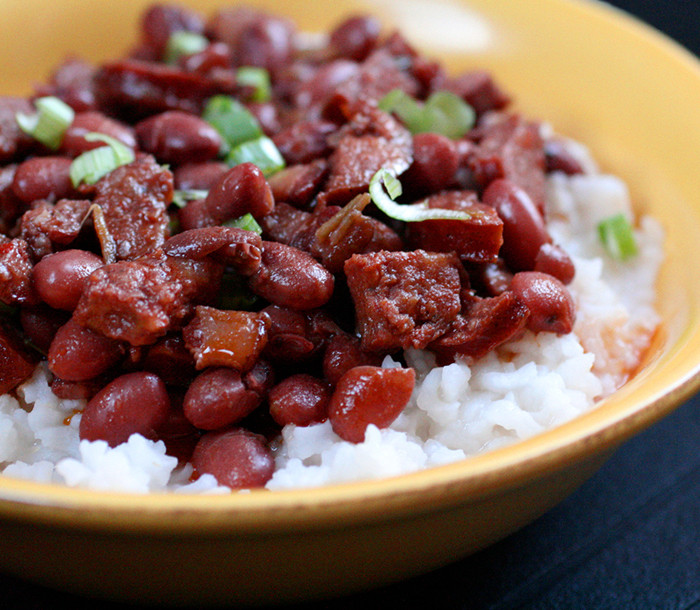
<point x="93" y="164"/>
<point x="443" y="112"/>
<point x="232" y="120"/>
<point x="245" y="222"/>
<point x="415" y="212"/>
<point x="181" y="44"/>
<point x="261" y="152"/>
<point x="50" y="122"/>
<point x="182" y="197"/>
<point x="617" y="237"/>
<point x="259" y="79"/>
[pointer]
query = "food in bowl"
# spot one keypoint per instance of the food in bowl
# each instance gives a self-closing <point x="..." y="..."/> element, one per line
<point x="235" y="260"/>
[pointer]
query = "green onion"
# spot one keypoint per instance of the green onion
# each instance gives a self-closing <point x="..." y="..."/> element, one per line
<point x="259" y="79"/>
<point x="93" y="164"/>
<point x="384" y="200"/>
<point x="245" y="222"/>
<point x="260" y="151"/>
<point x="443" y="112"/>
<point x="617" y="237"/>
<point x="232" y="120"/>
<point x="50" y="122"/>
<point x="181" y="44"/>
<point x="182" y="197"/>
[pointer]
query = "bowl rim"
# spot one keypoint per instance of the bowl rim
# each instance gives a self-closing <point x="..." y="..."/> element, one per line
<point x="439" y="487"/>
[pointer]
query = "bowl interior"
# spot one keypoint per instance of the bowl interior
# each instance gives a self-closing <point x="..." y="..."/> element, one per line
<point x="595" y="75"/>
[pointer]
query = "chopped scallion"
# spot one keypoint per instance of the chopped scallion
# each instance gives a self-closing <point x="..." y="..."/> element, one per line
<point x="232" y="120"/>
<point x="443" y="112"/>
<point x="258" y="79"/>
<point x="260" y="151"/>
<point x="181" y="44"/>
<point x="617" y="237"/>
<point x="245" y="222"/>
<point x="416" y="212"/>
<point x="50" y="122"/>
<point x="182" y="197"/>
<point x="93" y="164"/>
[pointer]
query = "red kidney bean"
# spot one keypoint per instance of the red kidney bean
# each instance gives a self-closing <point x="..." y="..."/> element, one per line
<point x="260" y="378"/>
<point x="343" y="353"/>
<point x="59" y="278"/>
<point x="355" y="37"/>
<point x="162" y="20"/>
<point x="524" y="230"/>
<point x="287" y="339"/>
<point x="300" y="399"/>
<point x="551" y="306"/>
<point x="214" y="55"/>
<point x="369" y="395"/>
<point x="554" y="260"/>
<point x="218" y="397"/>
<point x="199" y="176"/>
<point x="267" y="42"/>
<point x="178" y="137"/>
<point x="236" y="458"/>
<point x="241" y="190"/>
<point x="559" y="159"/>
<point x="40" y="325"/>
<point x="78" y="354"/>
<point x="435" y="163"/>
<point x="291" y="278"/>
<point x="135" y="403"/>
<point x="17" y="362"/>
<point x="304" y="141"/>
<point x="195" y="215"/>
<point x="92" y="121"/>
<point x="43" y="178"/>
<point x="170" y="359"/>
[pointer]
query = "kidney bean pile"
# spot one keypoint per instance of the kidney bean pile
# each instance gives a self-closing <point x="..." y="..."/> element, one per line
<point x="174" y="324"/>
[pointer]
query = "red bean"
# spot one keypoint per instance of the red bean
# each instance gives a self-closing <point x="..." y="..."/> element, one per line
<point x="241" y="190"/>
<point x="551" y="306"/>
<point x="199" y="176"/>
<point x="343" y="353"/>
<point x="355" y="37"/>
<point x="40" y="325"/>
<point x="178" y="137"/>
<point x="218" y="397"/>
<point x="43" y="178"/>
<point x="554" y="260"/>
<point x="435" y="163"/>
<point x="74" y="142"/>
<point x="78" y="354"/>
<point x="236" y="458"/>
<point x="369" y="395"/>
<point x="300" y="399"/>
<point x="524" y="230"/>
<point x="162" y="20"/>
<point x="291" y="278"/>
<point x="132" y="403"/>
<point x="59" y="278"/>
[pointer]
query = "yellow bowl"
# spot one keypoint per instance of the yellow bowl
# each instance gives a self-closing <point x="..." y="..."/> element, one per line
<point x="597" y="76"/>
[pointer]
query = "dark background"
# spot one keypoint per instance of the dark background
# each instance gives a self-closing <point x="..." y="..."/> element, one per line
<point x="629" y="538"/>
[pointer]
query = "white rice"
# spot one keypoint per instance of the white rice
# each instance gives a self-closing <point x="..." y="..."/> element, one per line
<point x="522" y="389"/>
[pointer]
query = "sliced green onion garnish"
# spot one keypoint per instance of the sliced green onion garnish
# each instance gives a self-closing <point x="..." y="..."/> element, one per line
<point x="443" y="112"/>
<point x="98" y="162"/>
<point x="181" y="44"/>
<point x="182" y="197"/>
<point x="617" y="237"/>
<point x="245" y="222"/>
<point x="260" y="151"/>
<point x="50" y="122"/>
<point x="259" y="79"/>
<point x="416" y="212"/>
<point x="232" y="120"/>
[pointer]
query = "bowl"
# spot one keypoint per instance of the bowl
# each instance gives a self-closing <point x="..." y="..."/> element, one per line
<point x="578" y="65"/>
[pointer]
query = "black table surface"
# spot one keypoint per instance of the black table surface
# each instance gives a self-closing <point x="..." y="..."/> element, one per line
<point x="628" y="538"/>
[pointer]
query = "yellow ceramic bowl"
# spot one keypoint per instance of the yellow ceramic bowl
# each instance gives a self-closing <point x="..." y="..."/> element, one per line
<point x="597" y="76"/>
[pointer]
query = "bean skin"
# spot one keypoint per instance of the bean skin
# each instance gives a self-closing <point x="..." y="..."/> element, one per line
<point x="178" y="137"/>
<point x="59" y="278"/>
<point x="524" y="231"/>
<point x="43" y="178"/>
<point x="289" y="277"/>
<point x="236" y="458"/>
<point x="78" y="354"/>
<point x="132" y="403"/>
<point x="435" y="163"/>
<point x="218" y="397"/>
<point x="91" y="121"/>
<point x="551" y="306"/>
<point x="369" y="395"/>
<point x="241" y="190"/>
<point x="300" y="399"/>
<point x="554" y="260"/>
<point x="355" y="37"/>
